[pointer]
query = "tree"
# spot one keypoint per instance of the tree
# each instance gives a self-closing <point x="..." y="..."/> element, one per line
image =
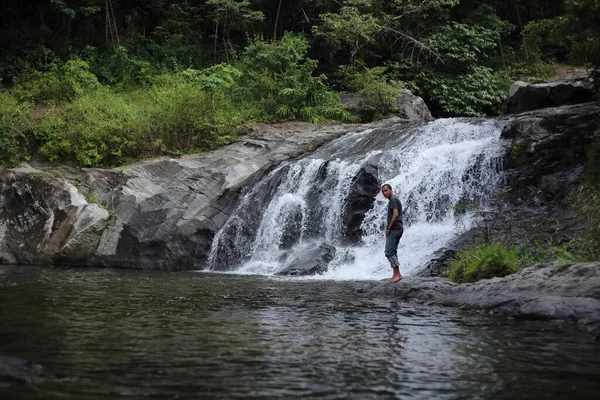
<point x="228" y="13"/>
<point x="350" y="29"/>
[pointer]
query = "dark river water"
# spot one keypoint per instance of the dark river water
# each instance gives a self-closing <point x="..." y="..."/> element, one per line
<point x="106" y="334"/>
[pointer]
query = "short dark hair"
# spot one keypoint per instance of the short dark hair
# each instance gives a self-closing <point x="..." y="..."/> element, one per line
<point x="386" y="185"/>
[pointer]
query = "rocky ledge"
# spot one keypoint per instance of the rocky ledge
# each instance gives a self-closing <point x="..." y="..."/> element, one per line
<point x="557" y="291"/>
<point x="156" y="214"/>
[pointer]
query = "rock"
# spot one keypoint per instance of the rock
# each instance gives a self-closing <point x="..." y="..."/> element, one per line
<point x="361" y="196"/>
<point x="544" y="162"/>
<point x="17" y="370"/>
<point x="155" y="214"/>
<point x="439" y="262"/>
<point x="407" y="107"/>
<point x="543" y="166"/>
<point x="412" y="108"/>
<point x="559" y="291"/>
<point x="309" y="260"/>
<point x="523" y="96"/>
<point x="353" y="103"/>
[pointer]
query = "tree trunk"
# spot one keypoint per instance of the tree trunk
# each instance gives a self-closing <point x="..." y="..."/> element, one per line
<point x="277" y="20"/>
<point x="216" y="39"/>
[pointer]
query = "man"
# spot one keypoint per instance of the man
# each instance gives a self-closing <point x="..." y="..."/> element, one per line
<point x="393" y="231"/>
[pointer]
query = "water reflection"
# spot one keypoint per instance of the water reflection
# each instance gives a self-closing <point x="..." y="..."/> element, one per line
<point x="101" y="334"/>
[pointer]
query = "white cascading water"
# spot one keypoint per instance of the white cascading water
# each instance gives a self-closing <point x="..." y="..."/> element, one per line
<point x="431" y="169"/>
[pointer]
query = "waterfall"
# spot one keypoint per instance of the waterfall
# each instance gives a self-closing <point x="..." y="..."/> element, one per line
<point x="318" y="198"/>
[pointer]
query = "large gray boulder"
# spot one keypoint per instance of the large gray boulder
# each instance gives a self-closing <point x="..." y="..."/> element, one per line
<point x="523" y="96"/>
<point x="364" y="187"/>
<point x="411" y="107"/>
<point x="309" y="260"/>
<point x="407" y="107"/>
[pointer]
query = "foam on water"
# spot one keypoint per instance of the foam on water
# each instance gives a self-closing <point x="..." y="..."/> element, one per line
<point x="432" y="168"/>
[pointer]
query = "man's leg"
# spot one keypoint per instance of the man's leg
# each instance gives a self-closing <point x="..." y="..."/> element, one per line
<point x="391" y="250"/>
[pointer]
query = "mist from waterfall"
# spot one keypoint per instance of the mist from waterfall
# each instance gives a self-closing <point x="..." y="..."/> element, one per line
<point x="431" y="167"/>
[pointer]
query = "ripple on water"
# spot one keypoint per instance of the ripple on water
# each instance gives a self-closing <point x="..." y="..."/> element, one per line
<point x="101" y="334"/>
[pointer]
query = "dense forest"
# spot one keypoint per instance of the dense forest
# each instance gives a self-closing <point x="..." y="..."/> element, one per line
<point x="105" y="82"/>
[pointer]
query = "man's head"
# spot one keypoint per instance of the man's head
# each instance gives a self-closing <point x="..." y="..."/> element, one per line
<point x="387" y="191"/>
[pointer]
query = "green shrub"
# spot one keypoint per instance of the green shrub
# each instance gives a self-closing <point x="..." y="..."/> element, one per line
<point x="15" y="119"/>
<point x="58" y="85"/>
<point x="587" y="207"/>
<point x="374" y="88"/>
<point x="477" y="93"/>
<point x="483" y="262"/>
<point x="120" y="69"/>
<point x="195" y="110"/>
<point x="95" y="130"/>
<point x="537" y="71"/>
<point x="279" y="79"/>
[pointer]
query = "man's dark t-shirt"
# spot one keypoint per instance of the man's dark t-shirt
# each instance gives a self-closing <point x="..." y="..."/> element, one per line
<point x="394" y="203"/>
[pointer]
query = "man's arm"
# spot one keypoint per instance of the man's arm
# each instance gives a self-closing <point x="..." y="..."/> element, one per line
<point x="395" y="214"/>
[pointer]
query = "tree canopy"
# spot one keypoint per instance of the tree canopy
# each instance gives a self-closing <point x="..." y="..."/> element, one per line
<point x="138" y="65"/>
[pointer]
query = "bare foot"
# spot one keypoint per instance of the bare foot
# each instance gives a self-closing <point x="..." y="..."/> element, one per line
<point x="395" y="279"/>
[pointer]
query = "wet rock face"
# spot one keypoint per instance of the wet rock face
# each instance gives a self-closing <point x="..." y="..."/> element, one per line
<point x="17" y="370"/>
<point x="523" y="96"/>
<point x="365" y="186"/>
<point x="157" y="214"/>
<point x="312" y="261"/>
<point x="42" y="218"/>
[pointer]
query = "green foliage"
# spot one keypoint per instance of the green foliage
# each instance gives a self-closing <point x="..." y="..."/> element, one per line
<point x="60" y="84"/>
<point x="573" y="36"/>
<point x="476" y="93"/>
<point x="462" y="86"/>
<point x="374" y="88"/>
<point x="277" y="57"/>
<point x="580" y="248"/>
<point x="483" y="262"/>
<point x="463" y="46"/>
<point x="192" y="109"/>
<point x="545" y="39"/>
<point x="587" y="201"/>
<point x="94" y="130"/>
<point x="279" y="77"/>
<point x="14" y="122"/>
<point x="159" y="62"/>
<point x="351" y="28"/>
<point x="119" y="68"/>
<point x="537" y="71"/>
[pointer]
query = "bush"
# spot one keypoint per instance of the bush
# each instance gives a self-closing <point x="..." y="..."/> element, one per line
<point x="58" y="85"/>
<point x="478" y="93"/>
<point x="120" y="69"/>
<point x="96" y="130"/>
<point x="15" y="119"/>
<point x="195" y="110"/>
<point x="483" y="262"/>
<point x="373" y="87"/>
<point x="280" y="79"/>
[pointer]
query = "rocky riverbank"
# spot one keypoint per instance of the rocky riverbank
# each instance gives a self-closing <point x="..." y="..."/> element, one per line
<point x="156" y="214"/>
<point x="557" y="291"/>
